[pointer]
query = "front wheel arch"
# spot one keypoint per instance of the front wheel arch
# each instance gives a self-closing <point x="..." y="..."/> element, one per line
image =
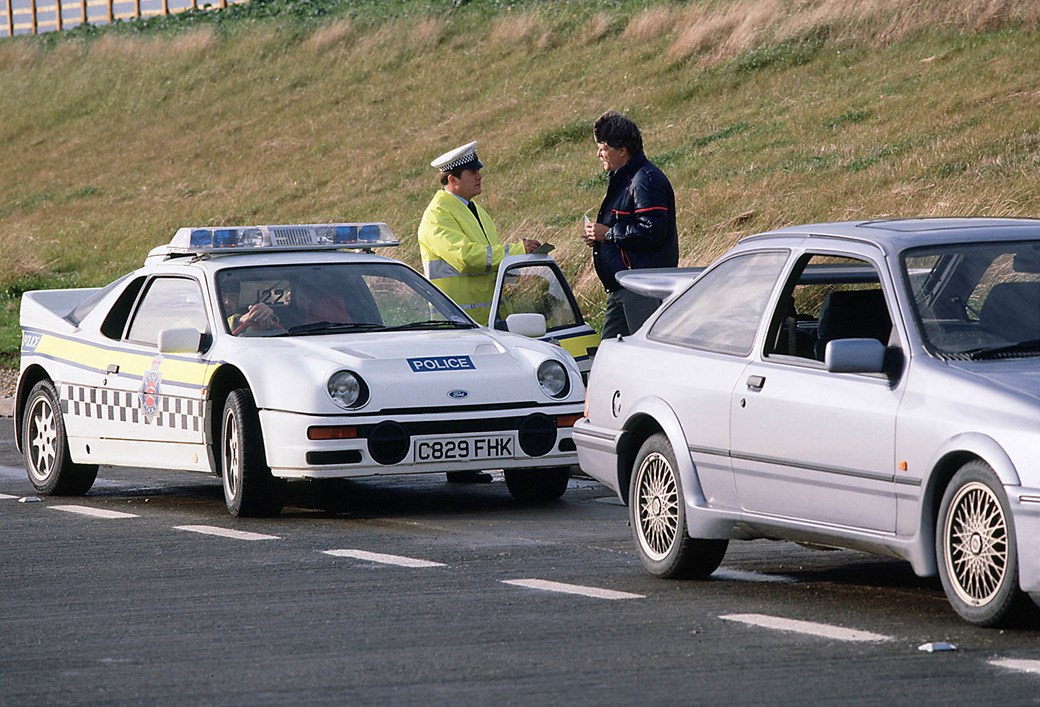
<point x="226" y="379"/>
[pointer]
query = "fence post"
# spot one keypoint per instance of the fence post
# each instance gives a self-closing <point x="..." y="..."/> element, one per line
<point x="10" y="20"/>
<point x="111" y="12"/>
<point x="165" y="7"/>
<point x="83" y="10"/>
<point x="32" y="10"/>
<point x="57" y="14"/>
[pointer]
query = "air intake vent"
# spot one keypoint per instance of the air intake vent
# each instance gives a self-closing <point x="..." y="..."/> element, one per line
<point x="291" y="236"/>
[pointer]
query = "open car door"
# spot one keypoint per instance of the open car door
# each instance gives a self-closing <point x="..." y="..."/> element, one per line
<point x="535" y="284"/>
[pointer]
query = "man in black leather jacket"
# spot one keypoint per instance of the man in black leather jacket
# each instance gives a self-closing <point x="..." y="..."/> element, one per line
<point x="635" y="227"/>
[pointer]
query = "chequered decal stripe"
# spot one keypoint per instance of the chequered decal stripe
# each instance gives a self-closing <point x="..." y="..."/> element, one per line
<point x="124" y="406"/>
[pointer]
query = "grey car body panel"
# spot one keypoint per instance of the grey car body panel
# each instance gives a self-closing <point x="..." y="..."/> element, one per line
<point x="876" y="475"/>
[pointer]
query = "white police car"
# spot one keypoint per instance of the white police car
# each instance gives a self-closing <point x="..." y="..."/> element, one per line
<point x="286" y="352"/>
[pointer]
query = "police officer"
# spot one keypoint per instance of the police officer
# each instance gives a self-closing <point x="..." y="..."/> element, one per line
<point x="458" y="241"/>
<point x="459" y="246"/>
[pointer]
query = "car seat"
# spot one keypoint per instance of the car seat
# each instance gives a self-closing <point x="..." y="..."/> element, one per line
<point x="1012" y="311"/>
<point x="852" y="314"/>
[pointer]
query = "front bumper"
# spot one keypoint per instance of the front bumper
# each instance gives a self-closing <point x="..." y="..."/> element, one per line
<point x="409" y="444"/>
<point x="598" y="453"/>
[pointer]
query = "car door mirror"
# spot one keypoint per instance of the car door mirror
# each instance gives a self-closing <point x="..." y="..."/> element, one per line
<point x="528" y="324"/>
<point x="182" y="340"/>
<point x="855" y="356"/>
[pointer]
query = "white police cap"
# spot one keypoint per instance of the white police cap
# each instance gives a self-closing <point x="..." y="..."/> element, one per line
<point x="464" y="157"/>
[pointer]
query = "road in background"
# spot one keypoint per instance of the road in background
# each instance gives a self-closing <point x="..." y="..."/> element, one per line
<point x="415" y="591"/>
<point x="97" y="12"/>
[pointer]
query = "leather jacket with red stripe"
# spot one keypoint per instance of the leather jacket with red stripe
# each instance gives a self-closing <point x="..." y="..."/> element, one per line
<point x="639" y="211"/>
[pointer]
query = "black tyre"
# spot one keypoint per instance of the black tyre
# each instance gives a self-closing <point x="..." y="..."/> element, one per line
<point x="975" y="548"/>
<point x="51" y="470"/>
<point x="537" y="485"/>
<point x="658" y="515"/>
<point x="249" y="488"/>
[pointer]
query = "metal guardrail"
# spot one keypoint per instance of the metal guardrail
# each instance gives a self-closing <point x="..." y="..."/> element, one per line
<point x="32" y="17"/>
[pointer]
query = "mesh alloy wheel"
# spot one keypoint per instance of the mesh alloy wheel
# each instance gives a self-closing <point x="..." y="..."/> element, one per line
<point x="657" y="501"/>
<point x="976" y="538"/>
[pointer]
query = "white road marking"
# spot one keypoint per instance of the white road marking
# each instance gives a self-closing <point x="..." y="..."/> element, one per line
<point x="1022" y="666"/>
<point x="94" y="512"/>
<point x="594" y="592"/>
<point x="382" y="559"/>
<point x="807" y="627"/>
<point x="729" y="575"/>
<point x="225" y="532"/>
<point x="6" y="497"/>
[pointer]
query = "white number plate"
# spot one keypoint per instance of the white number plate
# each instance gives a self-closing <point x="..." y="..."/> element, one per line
<point x="464" y="448"/>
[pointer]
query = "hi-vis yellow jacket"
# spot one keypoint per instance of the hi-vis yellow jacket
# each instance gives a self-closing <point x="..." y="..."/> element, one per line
<point x="459" y="256"/>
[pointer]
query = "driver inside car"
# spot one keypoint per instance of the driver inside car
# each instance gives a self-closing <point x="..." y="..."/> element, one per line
<point x="257" y="317"/>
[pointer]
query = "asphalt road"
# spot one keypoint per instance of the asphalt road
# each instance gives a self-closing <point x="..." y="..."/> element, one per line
<point x="414" y="591"/>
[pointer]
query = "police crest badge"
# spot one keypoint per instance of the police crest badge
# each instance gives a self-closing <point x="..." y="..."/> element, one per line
<point x="150" y="385"/>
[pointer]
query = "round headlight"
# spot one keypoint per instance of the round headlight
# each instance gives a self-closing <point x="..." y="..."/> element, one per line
<point x="347" y="389"/>
<point x="552" y="376"/>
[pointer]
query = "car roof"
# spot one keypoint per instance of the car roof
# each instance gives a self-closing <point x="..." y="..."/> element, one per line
<point x="896" y="235"/>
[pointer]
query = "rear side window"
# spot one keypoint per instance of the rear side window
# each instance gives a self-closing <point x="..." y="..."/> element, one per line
<point x="115" y="321"/>
<point x="722" y="311"/>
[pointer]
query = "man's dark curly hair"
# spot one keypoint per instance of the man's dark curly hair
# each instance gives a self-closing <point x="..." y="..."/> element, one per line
<point x="618" y="131"/>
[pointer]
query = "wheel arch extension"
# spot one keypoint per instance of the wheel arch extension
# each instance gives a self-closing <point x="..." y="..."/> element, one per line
<point x="648" y="417"/>
<point x="949" y="458"/>
<point x="225" y="379"/>
<point x="32" y="375"/>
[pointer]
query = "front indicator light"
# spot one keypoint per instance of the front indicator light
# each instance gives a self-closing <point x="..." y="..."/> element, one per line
<point x="567" y="420"/>
<point x="332" y="433"/>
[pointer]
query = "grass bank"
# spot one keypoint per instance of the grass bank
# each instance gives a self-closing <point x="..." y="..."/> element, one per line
<point x="762" y="112"/>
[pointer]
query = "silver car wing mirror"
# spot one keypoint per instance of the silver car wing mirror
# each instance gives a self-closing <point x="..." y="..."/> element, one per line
<point x="855" y="356"/>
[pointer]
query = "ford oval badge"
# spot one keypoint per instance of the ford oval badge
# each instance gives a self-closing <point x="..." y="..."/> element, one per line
<point x="458" y="394"/>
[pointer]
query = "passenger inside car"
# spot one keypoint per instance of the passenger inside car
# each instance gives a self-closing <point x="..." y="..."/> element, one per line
<point x="315" y="302"/>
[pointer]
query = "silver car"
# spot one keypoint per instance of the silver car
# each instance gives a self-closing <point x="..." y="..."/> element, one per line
<point x="868" y="385"/>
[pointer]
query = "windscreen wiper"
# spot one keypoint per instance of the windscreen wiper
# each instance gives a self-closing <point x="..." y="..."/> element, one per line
<point x="1030" y="346"/>
<point x="332" y="327"/>
<point x="433" y="324"/>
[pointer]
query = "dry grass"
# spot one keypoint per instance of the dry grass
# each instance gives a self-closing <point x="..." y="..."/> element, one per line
<point x="524" y="29"/>
<point x="720" y="31"/>
<point x="329" y="37"/>
<point x="650" y="24"/>
<point x="129" y="138"/>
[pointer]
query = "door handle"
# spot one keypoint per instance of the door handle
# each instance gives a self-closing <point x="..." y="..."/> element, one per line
<point x="756" y="382"/>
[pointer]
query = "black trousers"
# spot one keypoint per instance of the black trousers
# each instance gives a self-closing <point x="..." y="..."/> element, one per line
<point x="626" y="312"/>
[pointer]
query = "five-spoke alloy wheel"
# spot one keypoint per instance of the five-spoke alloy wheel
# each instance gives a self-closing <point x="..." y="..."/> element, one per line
<point x="249" y="488"/>
<point x="51" y="469"/>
